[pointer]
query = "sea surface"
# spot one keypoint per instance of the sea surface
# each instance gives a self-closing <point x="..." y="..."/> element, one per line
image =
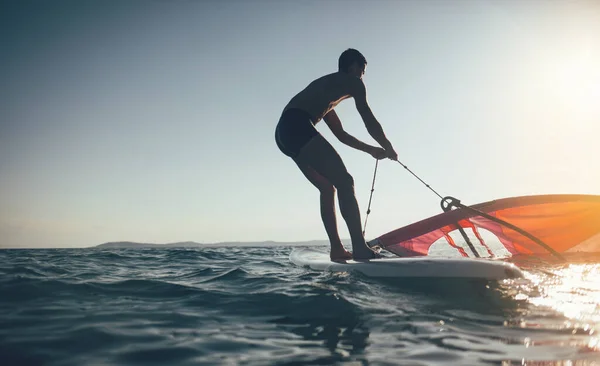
<point x="251" y="306"/>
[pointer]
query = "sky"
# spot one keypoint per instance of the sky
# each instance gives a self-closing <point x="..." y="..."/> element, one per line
<point x="153" y="121"/>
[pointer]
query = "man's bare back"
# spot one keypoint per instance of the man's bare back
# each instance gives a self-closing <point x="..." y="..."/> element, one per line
<point x="324" y="94"/>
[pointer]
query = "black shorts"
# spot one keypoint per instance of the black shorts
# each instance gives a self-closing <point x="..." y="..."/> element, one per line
<point x="293" y="131"/>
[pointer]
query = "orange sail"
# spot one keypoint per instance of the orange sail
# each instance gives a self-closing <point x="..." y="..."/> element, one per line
<point x="564" y="223"/>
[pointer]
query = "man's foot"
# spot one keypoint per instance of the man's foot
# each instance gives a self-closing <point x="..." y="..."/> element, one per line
<point x="340" y="255"/>
<point x="365" y="253"/>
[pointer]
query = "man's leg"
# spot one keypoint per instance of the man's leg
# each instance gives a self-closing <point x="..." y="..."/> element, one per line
<point x="319" y="155"/>
<point x="327" y="202"/>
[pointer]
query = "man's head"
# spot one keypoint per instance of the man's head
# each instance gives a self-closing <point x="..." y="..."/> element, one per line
<point x="352" y="62"/>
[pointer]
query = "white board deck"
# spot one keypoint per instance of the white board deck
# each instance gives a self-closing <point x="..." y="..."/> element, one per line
<point x="428" y="267"/>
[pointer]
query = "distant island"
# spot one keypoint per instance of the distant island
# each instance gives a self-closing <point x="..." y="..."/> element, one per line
<point x="192" y="244"/>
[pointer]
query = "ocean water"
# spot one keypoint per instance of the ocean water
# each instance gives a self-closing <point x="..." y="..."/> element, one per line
<point x="251" y="306"/>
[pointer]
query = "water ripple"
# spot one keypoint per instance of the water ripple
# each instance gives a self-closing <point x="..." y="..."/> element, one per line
<point x="251" y="306"/>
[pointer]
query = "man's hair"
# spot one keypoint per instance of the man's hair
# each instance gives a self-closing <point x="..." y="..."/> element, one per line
<point x="348" y="57"/>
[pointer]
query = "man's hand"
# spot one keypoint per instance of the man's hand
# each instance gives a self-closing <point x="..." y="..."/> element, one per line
<point x="377" y="152"/>
<point x="391" y="153"/>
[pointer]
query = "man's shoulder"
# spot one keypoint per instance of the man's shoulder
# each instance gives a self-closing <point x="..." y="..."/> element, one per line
<point x="355" y="85"/>
<point x="352" y="83"/>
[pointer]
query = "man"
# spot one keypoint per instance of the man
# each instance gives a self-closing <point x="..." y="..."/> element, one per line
<point x="297" y="138"/>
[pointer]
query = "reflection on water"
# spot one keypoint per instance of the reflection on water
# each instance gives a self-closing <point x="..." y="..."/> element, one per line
<point x="562" y="313"/>
<point x="573" y="290"/>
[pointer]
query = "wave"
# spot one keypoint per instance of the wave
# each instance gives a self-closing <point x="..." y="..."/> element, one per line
<point x="251" y="306"/>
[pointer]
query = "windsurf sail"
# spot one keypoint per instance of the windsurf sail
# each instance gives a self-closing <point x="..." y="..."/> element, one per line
<point x="523" y="225"/>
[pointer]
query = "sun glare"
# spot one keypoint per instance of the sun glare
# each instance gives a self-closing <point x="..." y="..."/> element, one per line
<point x="577" y="81"/>
<point x="573" y="291"/>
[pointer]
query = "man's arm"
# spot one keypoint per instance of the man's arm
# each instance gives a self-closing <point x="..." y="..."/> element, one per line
<point x="373" y="126"/>
<point x="334" y="123"/>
